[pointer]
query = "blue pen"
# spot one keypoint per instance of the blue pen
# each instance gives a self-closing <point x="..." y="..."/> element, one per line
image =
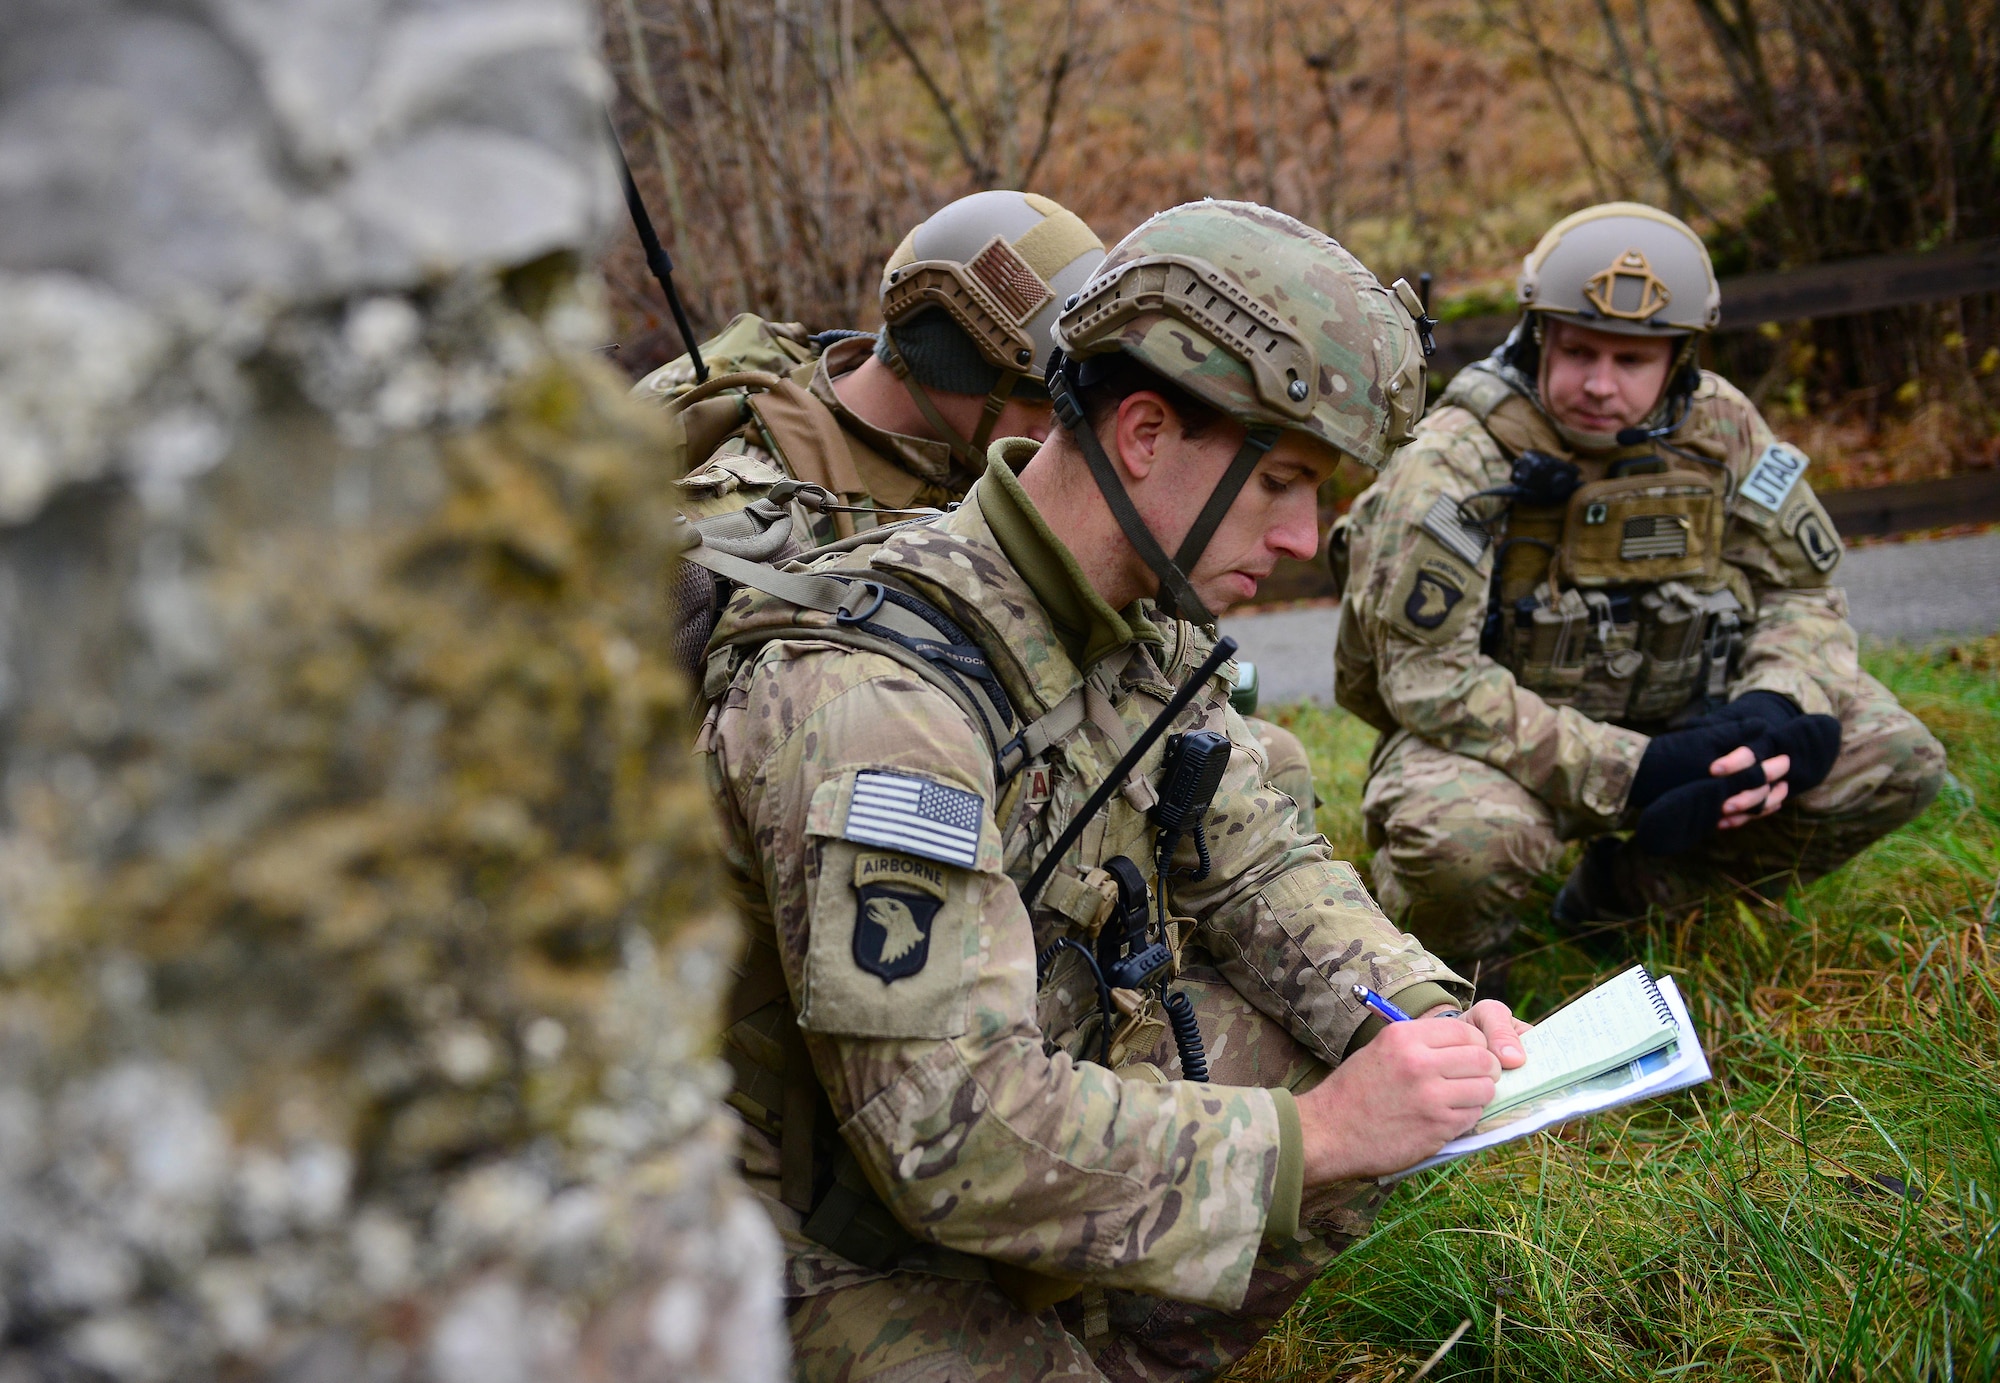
<point x="1380" y="1004"/>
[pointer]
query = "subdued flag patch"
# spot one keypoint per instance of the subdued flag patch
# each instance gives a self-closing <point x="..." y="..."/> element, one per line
<point x="1654" y="535"/>
<point x="1461" y="540"/>
<point x="917" y="816"/>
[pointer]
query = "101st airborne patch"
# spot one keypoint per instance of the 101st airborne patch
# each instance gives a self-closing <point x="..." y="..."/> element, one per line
<point x="1430" y="595"/>
<point x="896" y="901"/>
<point x="1810" y="528"/>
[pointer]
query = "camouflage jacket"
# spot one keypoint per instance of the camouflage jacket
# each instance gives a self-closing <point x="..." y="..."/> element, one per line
<point x="883" y="470"/>
<point x="1418" y="586"/>
<point x="955" y="1077"/>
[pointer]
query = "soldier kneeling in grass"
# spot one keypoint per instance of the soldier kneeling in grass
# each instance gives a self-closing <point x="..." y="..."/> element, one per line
<point x="1047" y="1034"/>
<point x="1595" y="597"/>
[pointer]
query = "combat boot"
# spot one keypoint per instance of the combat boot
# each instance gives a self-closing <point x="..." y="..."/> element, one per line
<point x="1592" y="909"/>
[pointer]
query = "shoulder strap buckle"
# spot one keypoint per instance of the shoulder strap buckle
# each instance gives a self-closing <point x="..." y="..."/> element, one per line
<point x="873" y="592"/>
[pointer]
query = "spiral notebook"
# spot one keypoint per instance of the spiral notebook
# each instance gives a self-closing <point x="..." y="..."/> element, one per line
<point x="1629" y="1039"/>
<point x="1615" y="1024"/>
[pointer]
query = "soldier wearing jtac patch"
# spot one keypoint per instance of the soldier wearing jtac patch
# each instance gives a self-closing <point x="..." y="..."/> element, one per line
<point x="1595" y="595"/>
<point x="955" y="1034"/>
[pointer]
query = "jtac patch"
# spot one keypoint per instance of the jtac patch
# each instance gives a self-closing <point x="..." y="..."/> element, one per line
<point x="1432" y="597"/>
<point x="916" y="816"/>
<point x="1778" y="468"/>
<point x="892" y="930"/>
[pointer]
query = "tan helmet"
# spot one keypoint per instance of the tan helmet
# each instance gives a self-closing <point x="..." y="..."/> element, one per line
<point x="1626" y="268"/>
<point x="996" y="265"/>
<point x="1262" y="317"/>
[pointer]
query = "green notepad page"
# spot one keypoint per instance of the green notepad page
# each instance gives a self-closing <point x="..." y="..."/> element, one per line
<point x="1619" y="1021"/>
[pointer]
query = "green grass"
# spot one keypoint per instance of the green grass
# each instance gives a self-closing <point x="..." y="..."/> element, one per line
<point x="1738" y="1231"/>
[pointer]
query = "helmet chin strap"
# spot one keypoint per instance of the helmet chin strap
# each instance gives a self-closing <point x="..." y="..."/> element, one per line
<point x="971" y="453"/>
<point x="1176" y="596"/>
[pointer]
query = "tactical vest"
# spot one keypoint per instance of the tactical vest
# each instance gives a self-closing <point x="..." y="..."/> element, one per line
<point x="1616" y="601"/>
<point x="1044" y="769"/>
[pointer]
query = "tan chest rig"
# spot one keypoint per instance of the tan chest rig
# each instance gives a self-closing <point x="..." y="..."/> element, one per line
<point x="1611" y="598"/>
<point x="1616" y="600"/>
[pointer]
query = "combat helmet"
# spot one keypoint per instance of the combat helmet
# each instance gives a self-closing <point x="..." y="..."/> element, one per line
<point x="968" y="299"/>
<point x="1628" y="269"/>
<point x="1625" y="268"/>
<point x="1261" y="317"/>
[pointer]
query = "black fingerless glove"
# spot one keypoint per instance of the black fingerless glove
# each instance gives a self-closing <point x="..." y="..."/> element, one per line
<point x="1680" y="818"/>
<point x="1776" y="726"/>
<point x="1813" y="742"/>
<point x="1767" y="708"/>
<point x="1683" y="818"/>
<point x="1680" y="757"/>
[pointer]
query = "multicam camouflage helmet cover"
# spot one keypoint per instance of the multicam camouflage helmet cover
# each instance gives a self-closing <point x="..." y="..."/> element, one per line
<point x="1259" y="316"/>
<point x="1626" y="268"/>
<point x="1264" y="318"/>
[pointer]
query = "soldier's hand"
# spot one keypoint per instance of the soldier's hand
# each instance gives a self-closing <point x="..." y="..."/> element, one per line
<point x="1399" y="1099"/>
<point x="1757" y="801"/>
<point x="1502" y="1030"/>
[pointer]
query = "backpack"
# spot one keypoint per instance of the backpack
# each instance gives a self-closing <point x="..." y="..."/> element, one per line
<point x="756" y="548"/>
<point x="748" y="342"/>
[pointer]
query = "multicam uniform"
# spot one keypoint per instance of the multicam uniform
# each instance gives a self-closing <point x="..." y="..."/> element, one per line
<point x="1514" y="711"/>
<point x="946" y="1143"/>
<point x="956" y="1080"/>
<point x="801" y="430"/>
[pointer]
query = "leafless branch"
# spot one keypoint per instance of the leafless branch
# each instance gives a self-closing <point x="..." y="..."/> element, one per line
<point x="981" y="173"/>
<point x="1059" y="71"/>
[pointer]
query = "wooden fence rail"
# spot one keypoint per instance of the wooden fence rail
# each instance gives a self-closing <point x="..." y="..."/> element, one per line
<point x="1838" y="289"/>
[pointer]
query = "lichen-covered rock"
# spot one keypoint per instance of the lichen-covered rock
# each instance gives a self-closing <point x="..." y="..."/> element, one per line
<point x="177" y="181"/>
<point x="360" y="952"/>
<point x="361" y="946"/>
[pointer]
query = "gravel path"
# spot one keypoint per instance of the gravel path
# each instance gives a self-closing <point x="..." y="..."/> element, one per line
<point x="1901" y="592"/>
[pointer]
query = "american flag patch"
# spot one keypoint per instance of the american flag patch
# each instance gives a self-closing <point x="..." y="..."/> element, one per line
<point x="1461" y="540"/>
<point x="1011" y="278"/>
<point x="916" y="816"/>
<point x="1653" y="535"/>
